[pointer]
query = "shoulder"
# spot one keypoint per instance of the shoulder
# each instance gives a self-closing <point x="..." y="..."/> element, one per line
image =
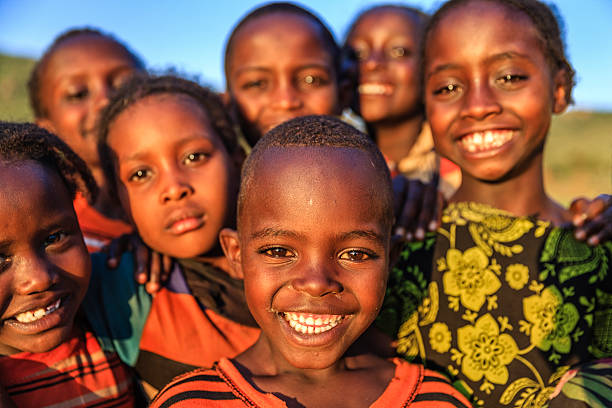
<point x="195" y="388"/>
<point x="432" y="388"/>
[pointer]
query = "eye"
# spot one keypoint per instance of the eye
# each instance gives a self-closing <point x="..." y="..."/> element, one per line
<point x="77" y="95"/>
<point x="55" y="238"/>
<point x="139" y="175"/>
<point x="448" y="89"/>
<point x="511" y="79"/>
<point x="5" y="262"/>
<point x="195" y="157"/>
<point x="399" y="52"/>
<point x="255" y="84"/>
<point x="357" y="255"/>
<point x="361" y="53"/>
<point x="277" y="252"/>
<point x="313" y="81"/>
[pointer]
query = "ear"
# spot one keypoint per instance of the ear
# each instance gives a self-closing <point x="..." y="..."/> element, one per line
<point x="46" y="124"/>
<point x="231" y="248"/>
<point x="560" y="91"/>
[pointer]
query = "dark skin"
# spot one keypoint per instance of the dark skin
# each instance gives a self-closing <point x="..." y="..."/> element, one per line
<point x="320" y="251"/>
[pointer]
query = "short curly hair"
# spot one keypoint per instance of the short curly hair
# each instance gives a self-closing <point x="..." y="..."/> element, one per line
<point x="20" y="142"/>
<point x="35" y="80"/>
<point x="144" y="85"/>
<point x="319" y="131"/>
<point x="548" y="23"/>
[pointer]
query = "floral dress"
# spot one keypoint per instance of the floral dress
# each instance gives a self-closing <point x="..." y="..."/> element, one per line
<point x="505" y="305"/>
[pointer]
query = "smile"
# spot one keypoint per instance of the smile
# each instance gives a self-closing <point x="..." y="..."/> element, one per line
<point x="375" y="88"/>
<point x="307" y="323"/>
<point x="488" y="140"/>
<point x="37" y="314"/>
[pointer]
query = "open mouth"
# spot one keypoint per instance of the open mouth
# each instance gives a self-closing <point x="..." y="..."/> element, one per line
<point x="487" y="140"/>
<point x="375" y="88"/>
<point x="308" y="323"/>
<point x="36" y="314"/>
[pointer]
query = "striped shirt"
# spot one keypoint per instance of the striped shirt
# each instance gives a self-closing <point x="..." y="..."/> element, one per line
<point x="77" y="373"/>
<point x="224" y="386"/>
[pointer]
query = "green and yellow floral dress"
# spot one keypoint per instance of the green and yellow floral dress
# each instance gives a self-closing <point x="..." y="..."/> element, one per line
<point x="504" y="304"/>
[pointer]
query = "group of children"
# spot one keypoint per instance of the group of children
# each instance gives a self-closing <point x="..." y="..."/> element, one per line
<point x="278" y="295"/>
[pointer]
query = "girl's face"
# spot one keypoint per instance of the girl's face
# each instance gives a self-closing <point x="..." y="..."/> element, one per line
<point x="176" y="180"/>
<point x="44" y="265"/>
<point x="280" y="69"/>
<point x="489" y="91"/>
<point x="386" y="42"/>
<point x="75" y="86"/>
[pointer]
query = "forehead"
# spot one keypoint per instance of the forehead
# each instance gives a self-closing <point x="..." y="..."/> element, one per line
<point x="314" y="184"/>
<point x="77" y="54"/>
<point x="288" y="35"/>
<point x="29" y="191"/>
<point x="159" y="119"/>
<point x="390" y="21"/>
<point x="481" y="28"/>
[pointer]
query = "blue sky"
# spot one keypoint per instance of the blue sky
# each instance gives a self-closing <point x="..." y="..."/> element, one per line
<point x="189" y="34"/>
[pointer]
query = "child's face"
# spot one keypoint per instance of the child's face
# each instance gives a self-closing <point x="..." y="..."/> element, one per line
<point x="280" y="69"/>
<point x="44" y="265"/>
<point x="386" y="43"/>
<point x="313" y="251"/>
<point x="75" y="86"/>
<point x="489" y="90"/>
<point x="176" y="181"/>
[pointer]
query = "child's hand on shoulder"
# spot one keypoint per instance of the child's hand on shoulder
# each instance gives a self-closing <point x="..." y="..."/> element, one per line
<point x="418" y="207"/>
<point x="592" y="219"/>
<point x="151" y="268"/>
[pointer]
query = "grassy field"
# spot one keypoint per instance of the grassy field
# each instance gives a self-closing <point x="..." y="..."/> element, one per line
<point x="578" y="156"/>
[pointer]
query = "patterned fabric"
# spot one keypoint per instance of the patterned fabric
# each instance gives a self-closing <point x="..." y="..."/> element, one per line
<point x="504" y="304"/>
<point x="97" y="229"/>
<point x="165" y="335"/>
<point x="77" y="373"/>
<point x="224" y="386"/>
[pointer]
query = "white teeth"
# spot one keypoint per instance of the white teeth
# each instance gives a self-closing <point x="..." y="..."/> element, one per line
<point x="33" y="315"/>
<point x="374" y="89"/>
<point x="312" y="324"/>
<point x="487" y="140"/>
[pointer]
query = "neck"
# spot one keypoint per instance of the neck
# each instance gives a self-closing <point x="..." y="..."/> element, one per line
<point x="521" y="195"/>
<point x="395" y="139"/>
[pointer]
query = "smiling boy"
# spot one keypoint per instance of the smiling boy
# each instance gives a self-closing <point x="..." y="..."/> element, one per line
<point x="314" y="223"/>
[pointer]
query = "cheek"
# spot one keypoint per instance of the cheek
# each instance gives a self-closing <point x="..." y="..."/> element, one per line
<point x="323" y="102"/>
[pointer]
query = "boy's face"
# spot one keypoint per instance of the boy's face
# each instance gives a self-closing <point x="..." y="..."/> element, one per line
<point x="280" y="68"/>
<point x="44" y="265"/>
<point x="386" y="43"/>
<point x="489" y="91"/>
<point x="313" y="251"/>
<point x="176" y="181"/>
<point x="75" y="85"/>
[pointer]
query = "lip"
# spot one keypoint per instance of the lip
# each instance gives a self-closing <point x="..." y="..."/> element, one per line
<point x="329" y="336"/>
<point x="482" y="143"/>
<point x="54" y="319"/>
<point x="184" y="220"/>
<point x="375" y="88"/>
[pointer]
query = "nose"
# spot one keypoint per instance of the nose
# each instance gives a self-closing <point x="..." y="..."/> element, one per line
<point x="480" y="101"/>
<point x="317" y="280"/>
<point x="176" y="187"/>
<point x="34" y="274"/>
<point x="373" y="60"/>
<point x="286" y="96"/>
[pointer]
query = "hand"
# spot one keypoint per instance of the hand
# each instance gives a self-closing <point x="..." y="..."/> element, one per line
<point x="592" y="219"/>
<point x="150" y="267"/>
<point x="417" y="206"/>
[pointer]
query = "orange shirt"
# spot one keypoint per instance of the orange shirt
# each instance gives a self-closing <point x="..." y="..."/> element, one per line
<point x="97" y="229"/>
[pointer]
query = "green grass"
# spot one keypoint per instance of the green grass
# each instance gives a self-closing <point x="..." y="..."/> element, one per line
<point x="577" y="161"/>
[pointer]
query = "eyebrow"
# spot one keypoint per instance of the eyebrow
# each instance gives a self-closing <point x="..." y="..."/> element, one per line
<point x="366" y="234"/>
<point x="180" y="143"/>
<point x="275" y="232"/>
<point x="265" y="69"/>
<point x="508" y="55"/>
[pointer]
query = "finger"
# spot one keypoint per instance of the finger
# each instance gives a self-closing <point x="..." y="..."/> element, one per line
<point x="412" y="207"/>
<point x="116" y="248"/>
<point x="604" y="235"/>
<point x="399" y="185"/>
<point x="141" y="259"/>
<point x="589" y="229"/>
<point x="427" y="214"/>
<point x="440" y="204"/>
<point x="577" y="209"/>
<point x="168" y="264"/>
<point x="598" y="206"/>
